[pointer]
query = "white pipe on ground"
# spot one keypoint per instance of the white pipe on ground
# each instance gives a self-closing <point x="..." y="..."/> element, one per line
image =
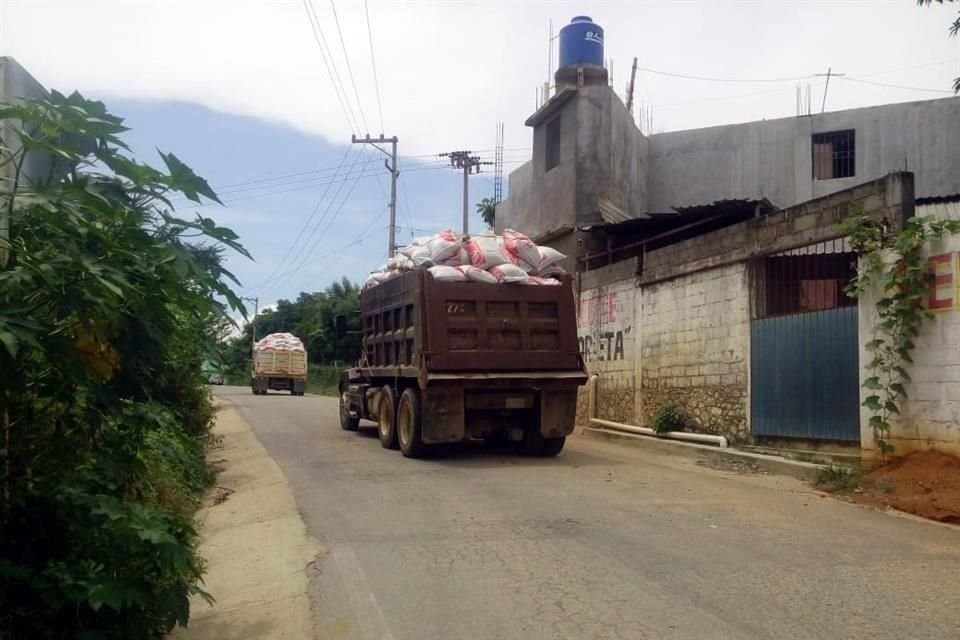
<point x="720" y="441"/>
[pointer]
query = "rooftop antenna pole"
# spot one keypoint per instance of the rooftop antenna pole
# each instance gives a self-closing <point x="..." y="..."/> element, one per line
<point x="633" y="77"/>
<point x="826" y="87"/>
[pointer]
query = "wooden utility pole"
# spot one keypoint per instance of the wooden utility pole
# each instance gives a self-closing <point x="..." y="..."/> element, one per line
<point x="394" y="174"/>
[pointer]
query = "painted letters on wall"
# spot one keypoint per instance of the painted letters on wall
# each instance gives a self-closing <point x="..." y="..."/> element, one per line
<point x="605" y="323"/>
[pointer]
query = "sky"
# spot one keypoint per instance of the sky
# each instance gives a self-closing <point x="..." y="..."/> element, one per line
<point x="263" y="104"/>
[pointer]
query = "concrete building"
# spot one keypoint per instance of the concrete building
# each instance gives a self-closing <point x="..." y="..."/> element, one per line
<point x="710" y="268"/>
<point x="592" y="166"/>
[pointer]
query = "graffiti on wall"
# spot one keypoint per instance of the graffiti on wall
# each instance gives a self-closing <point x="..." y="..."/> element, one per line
<point x="604" y="325"/>
<point x="944" y="282"/>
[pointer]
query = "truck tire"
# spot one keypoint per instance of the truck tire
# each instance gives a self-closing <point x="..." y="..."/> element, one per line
<point x="410" y="424"/>
<point x="387" y="418"/>
<point x="347" y="422"/>
<point x="552" y="446"/>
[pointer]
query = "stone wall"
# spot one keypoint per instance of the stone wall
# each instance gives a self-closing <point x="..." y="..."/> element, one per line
<point x="931" y="412"/>
<point x="695" y="349"/>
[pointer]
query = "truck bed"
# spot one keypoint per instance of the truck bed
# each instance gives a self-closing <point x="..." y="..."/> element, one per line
<point x="415" y="324"/>
<point x="280" y="363"/>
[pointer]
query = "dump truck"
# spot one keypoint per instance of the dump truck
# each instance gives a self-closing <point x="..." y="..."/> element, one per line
<point x="445" y="362"/>
<point x="279" y="363"/>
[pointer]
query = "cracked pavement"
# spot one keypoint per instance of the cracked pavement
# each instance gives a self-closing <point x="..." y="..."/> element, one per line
<point x="600" y="543"/>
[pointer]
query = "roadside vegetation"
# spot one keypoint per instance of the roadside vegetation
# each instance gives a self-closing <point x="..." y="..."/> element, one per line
<point x="107" y="303"/>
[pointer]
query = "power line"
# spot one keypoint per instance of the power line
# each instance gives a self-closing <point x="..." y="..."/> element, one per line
<point x="710" y="79"/>
<point x="306" y="224"/>
<point x="330" y="65"/>
<point x="343" y="45"/>
<point x="373" y="59"/>
<point x="323" y="233"/>
<point x="895" y="86"/>
<point x="222" y="187"/>
<point x="271" y="192"/>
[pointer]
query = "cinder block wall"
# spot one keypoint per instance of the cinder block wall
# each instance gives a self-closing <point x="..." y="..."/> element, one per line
<point x="695" y="349"/>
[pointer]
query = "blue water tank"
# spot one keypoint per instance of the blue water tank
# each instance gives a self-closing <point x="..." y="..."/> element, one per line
<point x="581" y="43"/>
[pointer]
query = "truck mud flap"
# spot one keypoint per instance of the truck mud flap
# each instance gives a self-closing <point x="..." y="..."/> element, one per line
<point x="443" y="418"/>
<point x="558" y="411"/>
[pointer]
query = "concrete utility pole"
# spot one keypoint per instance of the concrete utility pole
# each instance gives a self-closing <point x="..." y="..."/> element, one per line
<point x="469" y="164"/>
<point x="253" y="323"/>
<point x="394" y="174"/>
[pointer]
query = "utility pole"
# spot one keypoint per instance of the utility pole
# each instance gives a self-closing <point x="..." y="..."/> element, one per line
<point x="394" y="174"/>
<point x="468" y="163"/>
<point x="253" y="323"/>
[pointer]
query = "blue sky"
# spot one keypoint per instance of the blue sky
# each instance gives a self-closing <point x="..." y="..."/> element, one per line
<point x="259" y="168"/>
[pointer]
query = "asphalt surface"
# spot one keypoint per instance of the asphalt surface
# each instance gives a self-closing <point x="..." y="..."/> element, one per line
<point x="601" y="542"/>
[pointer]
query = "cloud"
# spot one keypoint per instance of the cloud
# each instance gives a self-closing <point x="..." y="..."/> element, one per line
<point x="449" y="71"/>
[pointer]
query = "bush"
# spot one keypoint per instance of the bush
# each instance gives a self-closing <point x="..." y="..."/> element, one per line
<point x="836" y="478"/>
<point x="105" y="316"/>
<point x="324" y="379"/>
<point x="669" y="418"/>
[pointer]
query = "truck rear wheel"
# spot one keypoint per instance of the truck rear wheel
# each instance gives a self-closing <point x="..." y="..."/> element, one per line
<point x="410" y="424"/>
<point x="386" y="418"/>
<point x="552" y="446"/>
<point x="347" y="422"/>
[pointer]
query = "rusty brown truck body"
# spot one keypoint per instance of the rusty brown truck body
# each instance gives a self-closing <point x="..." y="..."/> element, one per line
<point x="445" y="362"/>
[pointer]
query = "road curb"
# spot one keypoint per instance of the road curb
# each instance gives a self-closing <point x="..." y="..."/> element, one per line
<point x="806" y="471"/>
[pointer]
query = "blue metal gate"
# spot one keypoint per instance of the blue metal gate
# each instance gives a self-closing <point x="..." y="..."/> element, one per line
<point x="804" y="346"/>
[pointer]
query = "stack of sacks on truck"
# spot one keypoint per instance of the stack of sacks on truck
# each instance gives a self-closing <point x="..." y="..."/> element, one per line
<point x="508" y="259"/>
<point x="280" y="342"/>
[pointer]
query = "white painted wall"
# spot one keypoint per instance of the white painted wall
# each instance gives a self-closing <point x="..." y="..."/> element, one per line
<point x="931" y="413"/>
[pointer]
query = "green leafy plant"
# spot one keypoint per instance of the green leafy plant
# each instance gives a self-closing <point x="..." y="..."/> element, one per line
<point x="836" y="478"/>
<point x="669" y="417"/>
<point x="106" y="299"/>
<point x="894" y="265"/>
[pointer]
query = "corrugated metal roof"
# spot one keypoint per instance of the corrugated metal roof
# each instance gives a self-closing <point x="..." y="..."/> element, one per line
<point x="952" y="197"/>
<point x="942" y="210"/>
<point x="733" y="205"/>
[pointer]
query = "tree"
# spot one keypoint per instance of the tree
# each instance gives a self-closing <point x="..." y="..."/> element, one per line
<point x="105" y="301"/>
<point x="954" y="30"/>
<point x="487" y="209"/>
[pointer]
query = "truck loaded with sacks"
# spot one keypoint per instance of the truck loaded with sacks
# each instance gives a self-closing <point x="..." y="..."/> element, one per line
<point x="467" y="337"/>
<point x="279" y="363"/>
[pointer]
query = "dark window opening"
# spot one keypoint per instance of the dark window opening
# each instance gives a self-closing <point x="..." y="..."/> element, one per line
<point x="553" y="144"/>
<point x="834" y="155"/>
<point x="809" y="279"/>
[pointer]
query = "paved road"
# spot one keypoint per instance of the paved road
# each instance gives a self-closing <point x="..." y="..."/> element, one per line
<point x="601" y="542"/>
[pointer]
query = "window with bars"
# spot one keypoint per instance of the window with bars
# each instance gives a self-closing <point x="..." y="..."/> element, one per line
<point x="812" y="278"/>
<point x="553" y="144"/>
<point x="834" y="155"/>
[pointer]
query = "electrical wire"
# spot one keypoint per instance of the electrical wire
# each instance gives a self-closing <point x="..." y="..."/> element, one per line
<point x="373" y="60"/>
<point x="330" y="65"/>
<point x="306" y="224"/>
<point x="343" y="45"/>
<point x="305" y="256"/>
<point x="893" y="86"/>
<point x="710" y="79"/>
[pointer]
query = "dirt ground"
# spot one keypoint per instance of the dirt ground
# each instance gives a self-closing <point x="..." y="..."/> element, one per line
<point x="925" y="483"/>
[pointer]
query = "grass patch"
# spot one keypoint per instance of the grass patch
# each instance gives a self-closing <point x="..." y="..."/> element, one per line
<point x="835" y="478"/>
